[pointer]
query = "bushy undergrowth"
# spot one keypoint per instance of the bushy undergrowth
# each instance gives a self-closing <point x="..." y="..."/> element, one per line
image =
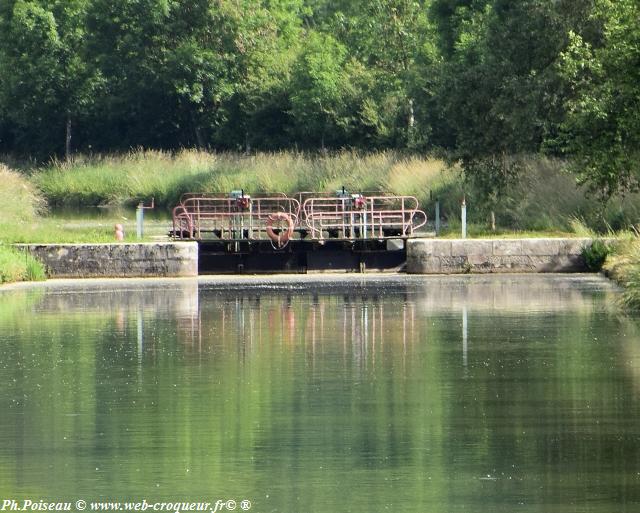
<point x="20" y="201"/>
<point x="595" y="255"/>
<point x="546" y="197"/>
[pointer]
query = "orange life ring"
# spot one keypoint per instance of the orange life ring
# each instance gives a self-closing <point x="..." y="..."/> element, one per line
<point x="279" y="238"/>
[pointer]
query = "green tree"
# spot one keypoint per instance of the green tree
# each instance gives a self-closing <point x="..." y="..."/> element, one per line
<point x="394" y="41"/>
<point x="46" y="87"/>
<point x="602" y="130"/>
<point x="500" y="89"/>
<point x="189" y="58"/>
<point x="259" y="112"/>
<point x="319" y="87"/>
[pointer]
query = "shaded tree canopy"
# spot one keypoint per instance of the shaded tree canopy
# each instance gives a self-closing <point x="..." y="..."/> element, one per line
<point x="483" y="80"/>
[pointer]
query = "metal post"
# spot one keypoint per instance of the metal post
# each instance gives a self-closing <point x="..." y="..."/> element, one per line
<point x="464" y="218"/>
<point x="140" y="221"/>
<point x="437" y="217"/>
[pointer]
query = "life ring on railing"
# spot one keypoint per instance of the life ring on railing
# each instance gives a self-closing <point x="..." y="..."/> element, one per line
<point x="282" y="237"/>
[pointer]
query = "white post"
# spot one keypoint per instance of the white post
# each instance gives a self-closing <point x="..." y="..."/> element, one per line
<point x="139" y="221"/>
<point x="437" y="217"/>
<point x="464" y="218"/>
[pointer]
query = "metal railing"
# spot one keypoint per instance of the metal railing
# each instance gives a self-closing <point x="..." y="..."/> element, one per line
<point x="229" y="218"/>
<point x="349" y="216"/>
<point x="362" y="217"/>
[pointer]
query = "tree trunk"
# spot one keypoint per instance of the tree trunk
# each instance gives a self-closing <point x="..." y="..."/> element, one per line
<point x="67" y="145"/>
<point x="412" y="116"/>
<point x="199" y="138"/>
<point x="197" y="132"/>
<point x="493" y="221"/>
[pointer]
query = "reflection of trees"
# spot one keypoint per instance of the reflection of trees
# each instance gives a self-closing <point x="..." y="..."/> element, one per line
<point x="545" y="415"/>
<point x="376" y="398"/>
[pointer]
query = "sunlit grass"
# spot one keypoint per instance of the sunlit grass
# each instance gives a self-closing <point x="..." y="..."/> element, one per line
<point x="20" y="201"/>
<point x="623" y="265"/>
<point x="63" y="231"/>
<point x="481" y="231"/>
<point x="136" y="176"/>
<point x="545" y="199"/>
<point x="20" y="204"/>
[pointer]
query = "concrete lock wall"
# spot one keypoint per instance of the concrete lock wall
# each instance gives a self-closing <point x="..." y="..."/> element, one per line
<point x="162" y="259"/>
<point x="441" y="256"/>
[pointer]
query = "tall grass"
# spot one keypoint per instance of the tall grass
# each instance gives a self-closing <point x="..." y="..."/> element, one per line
<point x="624" y="267"/>
<point x="545" y="198"/>
<point x="20" y="204"/>
<point x="20" y="201"/>
<point x="127" y="179"/>
<point x="17" y="265"/>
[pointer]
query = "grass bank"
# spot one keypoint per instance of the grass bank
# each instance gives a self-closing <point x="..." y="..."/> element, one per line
<point x="545" y="198"/>
<point x="20" y="204"/>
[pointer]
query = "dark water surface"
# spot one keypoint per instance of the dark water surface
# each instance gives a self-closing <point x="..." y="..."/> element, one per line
<point x="330" y="394"/>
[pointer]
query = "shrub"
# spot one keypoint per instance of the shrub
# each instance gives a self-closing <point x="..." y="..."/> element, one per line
<point x="595" y="255"/>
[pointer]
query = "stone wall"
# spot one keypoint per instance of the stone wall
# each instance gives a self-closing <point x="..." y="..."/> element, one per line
<point x="442" y="256"/>
<point x="163" y="259"/>
<point x="424" y="256"/>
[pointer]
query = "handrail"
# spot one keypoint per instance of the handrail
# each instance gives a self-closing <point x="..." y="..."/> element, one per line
<point x="363" y="217"/>
<point x="378" y="216"/>
<point x="198" y="214"/>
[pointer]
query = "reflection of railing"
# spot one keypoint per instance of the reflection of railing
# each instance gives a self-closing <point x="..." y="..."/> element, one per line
<point x="229" y="217"/>
<point x="362" y="217"/>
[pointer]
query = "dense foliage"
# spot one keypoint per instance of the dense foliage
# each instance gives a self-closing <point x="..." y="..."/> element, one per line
<point x="485" y="81"/>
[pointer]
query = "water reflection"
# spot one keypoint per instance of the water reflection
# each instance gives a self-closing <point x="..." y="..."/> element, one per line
<point x="346" y="394"/>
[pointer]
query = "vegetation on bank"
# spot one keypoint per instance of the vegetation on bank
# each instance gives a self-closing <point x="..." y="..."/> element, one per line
<point x="544" y="198"/>
<point x="623" y="266"/>
<point x="18" y="265"/>
<point x="525" y="97"/>
<point x="543" y="201"/>
<point x="20" y="204"/>
<point x="165" y="176"/>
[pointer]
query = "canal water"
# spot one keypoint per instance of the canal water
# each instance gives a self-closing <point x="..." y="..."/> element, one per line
<point x="323" y="394"/>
